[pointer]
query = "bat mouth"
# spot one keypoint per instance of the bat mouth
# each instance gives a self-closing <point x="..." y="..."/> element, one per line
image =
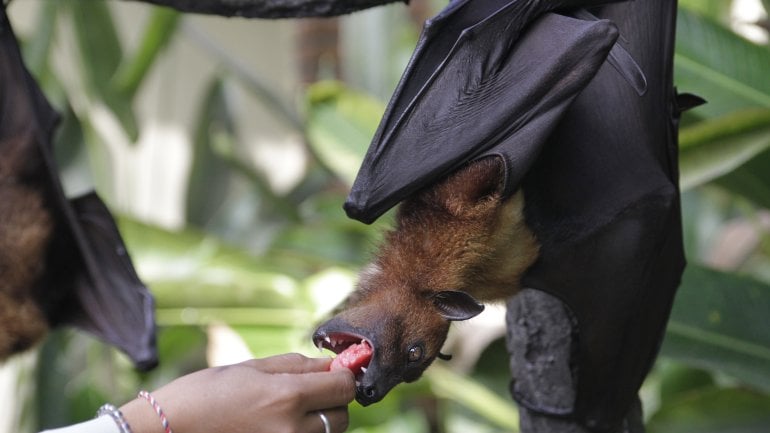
<point x="337" y="342"/>
<point x="346" y="345"/>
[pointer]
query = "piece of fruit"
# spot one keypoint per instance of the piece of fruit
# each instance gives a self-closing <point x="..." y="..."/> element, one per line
<point x="353" y="358"/>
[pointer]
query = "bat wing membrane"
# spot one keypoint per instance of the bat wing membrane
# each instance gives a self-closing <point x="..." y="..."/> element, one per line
<point x="494" y="88"/>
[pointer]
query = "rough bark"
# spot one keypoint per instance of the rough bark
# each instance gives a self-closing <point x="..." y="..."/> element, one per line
<point x="271" y="8"/>
<point x="541" y="339"/>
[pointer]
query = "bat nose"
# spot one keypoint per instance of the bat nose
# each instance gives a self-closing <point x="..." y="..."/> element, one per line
<point x="368" y="391"/>
<point x="367" y="394"/>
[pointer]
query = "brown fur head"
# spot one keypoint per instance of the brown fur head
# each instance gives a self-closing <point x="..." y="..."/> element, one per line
<point x="456" y="242"/>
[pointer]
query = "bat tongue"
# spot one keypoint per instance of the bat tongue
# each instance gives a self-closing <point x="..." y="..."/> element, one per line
<point x="355" y="358"/>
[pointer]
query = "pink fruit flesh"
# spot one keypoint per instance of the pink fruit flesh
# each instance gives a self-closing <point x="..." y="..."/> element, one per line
<point x="353" y="358"/>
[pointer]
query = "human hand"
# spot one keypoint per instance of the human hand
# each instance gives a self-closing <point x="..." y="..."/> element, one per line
<point x="278" y="394"/>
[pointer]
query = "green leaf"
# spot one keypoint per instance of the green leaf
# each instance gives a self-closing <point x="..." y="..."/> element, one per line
<point x="260" y="88"/>
<point x="469" y="393"/>
<point x="402" y="410"/>
<point x="340" y="126"/>
<point x="69" y="143"/>
<point x="714" y="410"/>
<point x="181" y="349"/>
<point x="719" y="322"/>
<point x="210" y="176"/>
<point x="751" y="180"/>
<point x="714" y="148"/>
<point x="159" y="31"/>
<point x="715" y="63"/>
<point x="326" y="237"/>
<point x="677" y="379"/>
<point x="322" y="244"/>
<point x="38" y="47"/>
<point x="101" y="54"/>
<point x="227" y="194"/>
<point x="186" y="269"/>
<point x="180" y="345"/>
<point x="98" y="42"/>
<point x="237" y="316"/>
<point x="49" y="377"/>
<point x="264" y="341"/>
<point x="714" y="9"/>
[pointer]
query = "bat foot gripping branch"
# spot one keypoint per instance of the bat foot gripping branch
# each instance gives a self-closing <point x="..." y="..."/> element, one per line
<point x="541" y="338"/>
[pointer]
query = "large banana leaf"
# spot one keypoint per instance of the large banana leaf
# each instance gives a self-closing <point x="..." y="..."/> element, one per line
<point x="714" y="148"/>
<point x="720" y="322"/>
<point x="714" y="410"/>
<point x="731" y="144"/>
<point x="713" y="62"/>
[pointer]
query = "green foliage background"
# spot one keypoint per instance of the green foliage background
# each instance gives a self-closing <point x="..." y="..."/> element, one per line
<point x="273" y="274"/>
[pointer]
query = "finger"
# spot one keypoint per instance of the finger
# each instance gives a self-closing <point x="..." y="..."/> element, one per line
<point x="328" y="389"/>
<point x="293" y="363"/>
<point x="337" y="417"/>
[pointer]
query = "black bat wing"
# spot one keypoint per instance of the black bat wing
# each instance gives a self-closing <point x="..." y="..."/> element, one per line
<point x="115" y="305"/>
<point x="609" y="223"/>
<point x="485" y="74"/>
<point x="80" y="274"/>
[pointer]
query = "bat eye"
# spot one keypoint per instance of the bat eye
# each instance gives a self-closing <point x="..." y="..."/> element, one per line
<point x="415" y="353"/>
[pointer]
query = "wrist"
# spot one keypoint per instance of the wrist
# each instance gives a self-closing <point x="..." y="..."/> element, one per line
<point x="108" y="410"/>
<point x="141" y="417"/>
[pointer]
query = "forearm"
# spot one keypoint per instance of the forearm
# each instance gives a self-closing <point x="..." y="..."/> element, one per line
<point x="137" y="413"/>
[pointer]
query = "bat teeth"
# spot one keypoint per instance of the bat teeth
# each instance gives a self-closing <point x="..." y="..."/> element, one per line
<point x="358" y="383"/>
<point x="363" y="369"/>
<point x="320" y="346"/>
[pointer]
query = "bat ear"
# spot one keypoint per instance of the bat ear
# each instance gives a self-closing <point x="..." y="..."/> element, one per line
<point x="456" y="305"/>
<point x="478" y="183"/>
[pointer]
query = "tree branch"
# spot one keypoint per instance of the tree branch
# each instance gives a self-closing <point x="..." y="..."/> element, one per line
<point x="271" y="8"/>
<point x="541" y="341"/>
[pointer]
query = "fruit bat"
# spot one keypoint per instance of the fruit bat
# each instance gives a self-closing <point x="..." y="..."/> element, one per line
<point x="62" y="262"/>
<point x="537" y="130"/>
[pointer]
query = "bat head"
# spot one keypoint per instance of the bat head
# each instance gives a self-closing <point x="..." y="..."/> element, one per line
<point x="455" y="242"/>
<point x="405" y="330"/>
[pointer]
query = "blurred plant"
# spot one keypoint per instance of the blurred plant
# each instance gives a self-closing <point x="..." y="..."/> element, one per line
<point x="270" y="264"/>
<point x="719" y="332"/>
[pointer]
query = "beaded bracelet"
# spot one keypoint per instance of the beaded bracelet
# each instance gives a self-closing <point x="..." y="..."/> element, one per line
<point x="163" y="420"/>
<point x="116" y="415"/>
